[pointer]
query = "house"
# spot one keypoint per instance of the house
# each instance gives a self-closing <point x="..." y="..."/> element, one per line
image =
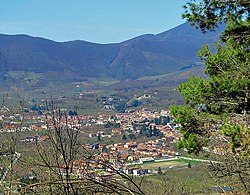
<point x="130" y="158"/>
<point x="139" y="171"/>
<point x="124" y="157"/>
<point x="221" y="149"/>
<point x="129" y="170"/>
<point x="135" y="171"/>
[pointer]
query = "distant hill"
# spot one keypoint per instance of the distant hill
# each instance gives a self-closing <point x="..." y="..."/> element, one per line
<point x="146" y="55"/>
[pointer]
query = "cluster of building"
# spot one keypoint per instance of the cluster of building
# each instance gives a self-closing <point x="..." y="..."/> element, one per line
<point x="130" y="152"/>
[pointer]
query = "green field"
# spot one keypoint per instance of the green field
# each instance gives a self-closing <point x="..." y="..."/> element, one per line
<point x="182" y="163"/>
<point x="163" y="165"/>
<point x="195" y="180"/>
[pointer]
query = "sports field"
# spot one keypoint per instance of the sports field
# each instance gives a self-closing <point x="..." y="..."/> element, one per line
<point x="163" y="164"/>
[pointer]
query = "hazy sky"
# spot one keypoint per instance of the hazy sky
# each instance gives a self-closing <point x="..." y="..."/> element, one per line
<point x="101" y="21"/>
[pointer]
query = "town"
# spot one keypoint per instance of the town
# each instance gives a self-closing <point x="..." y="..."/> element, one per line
<point x="124" y="141"/>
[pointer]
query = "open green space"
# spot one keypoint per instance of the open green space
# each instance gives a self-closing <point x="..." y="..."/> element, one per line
<point x="163" y="165"/>
<point x="194" y="180"/>
<point x="168" y="164"/>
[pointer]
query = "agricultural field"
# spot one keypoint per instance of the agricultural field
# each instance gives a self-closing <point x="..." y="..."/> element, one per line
<point x="194" y="180"/>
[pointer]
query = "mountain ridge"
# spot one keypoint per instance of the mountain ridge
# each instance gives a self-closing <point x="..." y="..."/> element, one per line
<point x="144" y="55"/>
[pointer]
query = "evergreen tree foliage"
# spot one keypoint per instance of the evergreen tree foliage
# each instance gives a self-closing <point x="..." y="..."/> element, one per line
<point x="207" y="14"/>
<point x="218" y="107"/>
<point x="225" y="94"/>
<point x="159" y="170"/>
<point x="124" y="137"/>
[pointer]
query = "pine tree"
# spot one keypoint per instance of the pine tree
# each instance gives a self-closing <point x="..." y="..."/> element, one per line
<point x="218" y="108"/>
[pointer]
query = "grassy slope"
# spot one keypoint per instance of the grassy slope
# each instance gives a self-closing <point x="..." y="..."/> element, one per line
<point x="31" y="85"/>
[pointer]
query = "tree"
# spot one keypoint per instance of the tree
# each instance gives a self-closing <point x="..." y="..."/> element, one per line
<point x="116" y="125"/>
<point x="11" y="123"/>
<point x="121" y="107"/>
<point x="155" y="131"/>
<point x="107" y="125"/>
<point x="207" y="14"/>
<point x="99" y="137"/>
<point x="124" y="137"/>
<point x="63" y="165"/>
<point x="165" y="120"/>
<point x="159" y="171"/>
<point x="225" y="94"/>
<point x="105" y="149"/>
<point x="72" y="113"/>
<point x="131" y="136"/>
<point x="157" y="121"/>
<point x="135" y="103"/>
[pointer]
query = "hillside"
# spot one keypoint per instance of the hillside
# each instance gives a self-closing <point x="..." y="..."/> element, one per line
<point x="146" y="55"/>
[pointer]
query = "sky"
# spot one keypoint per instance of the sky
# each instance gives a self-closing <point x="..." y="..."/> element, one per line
<point x="99" y="21"/>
